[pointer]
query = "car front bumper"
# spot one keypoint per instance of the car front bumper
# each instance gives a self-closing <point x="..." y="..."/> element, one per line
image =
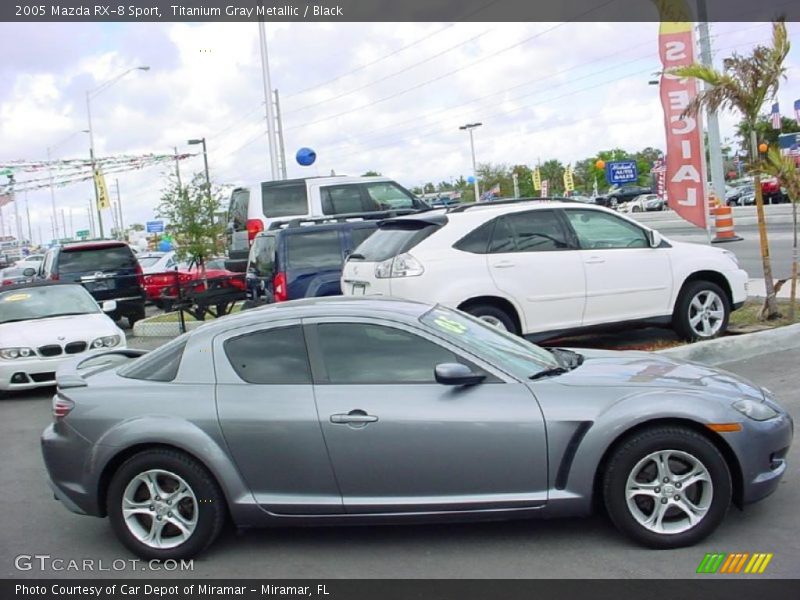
<point x="39" y="371"/>
<point x="762" y="447"/>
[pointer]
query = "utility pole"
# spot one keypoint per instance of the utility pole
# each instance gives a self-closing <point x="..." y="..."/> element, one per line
<point x="91" y="220"/>
<point x="470" y="127"/>
<point x="28" y="217"/>
<point x="515" y="178"/>
<point x="273" y="154"/>
<point x="71" y="226"/>
<point x="52" y="188"/>
<point x="714" y="145"/>
<point x="177" y="166"/>
<point x="119" y="210"/>
<point x="64" y="225"/>
<point x="281" y="148"/>
<point x="16" y="209"/>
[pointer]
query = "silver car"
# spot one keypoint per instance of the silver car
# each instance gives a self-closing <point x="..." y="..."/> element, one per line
<point x="344" y="410"/>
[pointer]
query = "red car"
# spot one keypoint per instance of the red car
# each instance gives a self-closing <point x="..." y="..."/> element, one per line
<point x="161" y="288"/>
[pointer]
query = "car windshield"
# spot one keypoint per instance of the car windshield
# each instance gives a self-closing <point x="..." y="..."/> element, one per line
<point x="47" y="301"/>
<point x="514" y="354"/>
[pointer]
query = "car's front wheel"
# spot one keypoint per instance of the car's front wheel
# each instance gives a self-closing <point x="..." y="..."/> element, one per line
<point x="667" y="487"/>
<point x="701" y="312"/>
<point x="163" y="504"/>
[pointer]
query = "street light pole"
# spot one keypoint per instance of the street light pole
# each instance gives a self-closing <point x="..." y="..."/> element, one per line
<point x="205" y="164"/>
<point x="89" y="94"/>
<point x="470" y="127"/>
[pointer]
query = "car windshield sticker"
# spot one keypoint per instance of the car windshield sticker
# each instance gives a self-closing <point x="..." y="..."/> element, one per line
<point x="16" y="297"/>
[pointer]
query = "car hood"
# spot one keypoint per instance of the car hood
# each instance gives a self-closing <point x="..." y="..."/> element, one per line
<point x="40" y="332"/>
<point x="605" y="368"/>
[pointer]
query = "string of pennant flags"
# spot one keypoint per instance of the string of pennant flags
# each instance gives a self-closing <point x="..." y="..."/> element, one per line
<point x="63" y="172"/>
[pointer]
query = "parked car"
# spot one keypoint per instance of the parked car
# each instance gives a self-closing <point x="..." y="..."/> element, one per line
<point x="303" y="258"/>
<point x="345" y="411"/>
<point x="32" y="260"/>
<point x="621" y="194"/>
<point x="643" y="203"/>
<point x="15" y="275"/>
<point x="162" y="287"/>
<point x="252" y="211"/>
<point x="157" y="262"/>
<point x="545" y="269"/>
<point x="44" y="324"/>
<point x="107" y="269"/>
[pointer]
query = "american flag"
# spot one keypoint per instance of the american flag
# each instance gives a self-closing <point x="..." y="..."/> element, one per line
<point x="776" y="116"/>
<point x="491" y="194"/>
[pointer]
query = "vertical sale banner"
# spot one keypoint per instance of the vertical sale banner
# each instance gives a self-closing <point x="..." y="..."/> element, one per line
<point x="684" y="165"/>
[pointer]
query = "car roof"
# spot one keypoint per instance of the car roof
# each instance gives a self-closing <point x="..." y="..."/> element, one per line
<point x="326" y="306"/>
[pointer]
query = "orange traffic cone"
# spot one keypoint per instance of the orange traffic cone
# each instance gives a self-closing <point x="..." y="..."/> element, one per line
<point x="723" y="222"/>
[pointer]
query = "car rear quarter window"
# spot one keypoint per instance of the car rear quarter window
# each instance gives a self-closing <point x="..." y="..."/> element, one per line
<point x="270" y="357"/>
<point x="477" y="240"/>
<point x="284" y="199"/>
<point x="316" y="250"/>
<point x="395" y="237"/>
<point x="108" y="258"/>
<point x="159" y="365"/>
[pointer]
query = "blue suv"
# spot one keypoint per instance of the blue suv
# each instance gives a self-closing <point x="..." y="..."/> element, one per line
<point x="303" y="258"/>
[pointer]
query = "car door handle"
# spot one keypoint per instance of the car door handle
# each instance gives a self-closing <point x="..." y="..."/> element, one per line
<point x="504" y="265"/>
<point x="595" y="260"/>
<point x="354" y="416"/>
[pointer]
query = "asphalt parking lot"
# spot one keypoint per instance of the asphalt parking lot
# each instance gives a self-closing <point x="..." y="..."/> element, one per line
<point x="33" y="523"/>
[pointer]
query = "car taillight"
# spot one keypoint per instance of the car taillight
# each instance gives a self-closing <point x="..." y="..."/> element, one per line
<point x="254" y="227"/>
<point x="279" y="290"/>
<point x="53" y="277"/>
<point x="61" y="406"/>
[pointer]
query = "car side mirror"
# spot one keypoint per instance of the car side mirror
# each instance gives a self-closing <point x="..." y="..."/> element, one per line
<point x="109" y="306"/>
<point x="456" y="374"/>
<point x="653" y="238"/>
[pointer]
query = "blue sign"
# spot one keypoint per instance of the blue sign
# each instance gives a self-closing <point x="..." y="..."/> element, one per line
<point x="155" y="227"/>
<point x="622" y="171"/>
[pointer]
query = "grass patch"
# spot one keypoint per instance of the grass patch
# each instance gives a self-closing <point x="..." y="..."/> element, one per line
<point x="747" y="316"/>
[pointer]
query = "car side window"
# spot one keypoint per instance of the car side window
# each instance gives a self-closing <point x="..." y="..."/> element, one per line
<point x="502" y="238"/>
<point x="270" y="357"/>
<point x="537" y="231"/>
<point x="599" y="230"/>
<point x="362" y="353"/>
<point x="344" y="199"/>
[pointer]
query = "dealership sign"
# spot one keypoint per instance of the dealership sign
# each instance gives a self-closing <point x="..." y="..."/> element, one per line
<point x="685" y="158"/>
<point x="622" y="171"/>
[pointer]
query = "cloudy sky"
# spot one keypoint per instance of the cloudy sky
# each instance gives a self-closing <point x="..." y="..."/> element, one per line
<point x="371" y="96"/>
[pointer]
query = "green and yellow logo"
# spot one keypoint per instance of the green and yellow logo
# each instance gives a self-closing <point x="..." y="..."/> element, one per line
<point x="734" y="563"/>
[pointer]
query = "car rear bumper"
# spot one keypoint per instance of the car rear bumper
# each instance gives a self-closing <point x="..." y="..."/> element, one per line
<point x="65" y="453"/>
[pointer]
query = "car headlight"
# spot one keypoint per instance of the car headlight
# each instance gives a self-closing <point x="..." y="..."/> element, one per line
<point x="108" y="341"/>
<point x="12" y="353"/>
<point x="758" y="411"/>
<point x="731" y="256"/>
<point x="402" y="265"/>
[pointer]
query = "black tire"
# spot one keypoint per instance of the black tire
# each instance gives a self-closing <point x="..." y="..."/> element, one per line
<point x="636" y="209"/>
<point x="681" y="316"/>
<point x="632" y="450"/>
<point x="482" y="311"/>
<point x="210" y="502"/>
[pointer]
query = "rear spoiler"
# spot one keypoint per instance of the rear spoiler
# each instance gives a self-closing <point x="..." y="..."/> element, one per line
<point x="72" y="374"/>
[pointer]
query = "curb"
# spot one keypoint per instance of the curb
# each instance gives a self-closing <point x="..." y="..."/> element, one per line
<point x="739" y="347"/>
<point x="159" y="329"/>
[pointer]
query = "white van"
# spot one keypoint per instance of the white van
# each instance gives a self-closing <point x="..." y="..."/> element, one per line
<point x="251" y="211"/>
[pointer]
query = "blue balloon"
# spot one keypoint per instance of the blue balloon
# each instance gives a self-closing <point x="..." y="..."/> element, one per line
<point x="470" y="180"/>
<point x="164" y="246"/>
<point x="306" y="157"/>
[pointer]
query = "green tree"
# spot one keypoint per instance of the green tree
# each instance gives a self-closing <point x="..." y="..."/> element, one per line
<point x="553" y="171"/>
<point x="136" y="227"/>
<point x="190" y="209"/>
<point x="784" y="169"/>
<point x="490" y="175"/>
<point x="371" y="174"/>
<point x="764" y="131"/>
<point x="744" y="84"/>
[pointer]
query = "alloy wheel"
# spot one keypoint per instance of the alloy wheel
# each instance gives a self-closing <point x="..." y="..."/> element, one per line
<point x="669" y="491"/>
<point x="159" y="509"/>
<point x="706" y="313"/>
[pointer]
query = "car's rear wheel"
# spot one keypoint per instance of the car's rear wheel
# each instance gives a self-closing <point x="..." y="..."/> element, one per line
<point x="163" y="504"/>
<point x="702" y="311"/>
<point x="493" y="315"/>
<point x="667" y="487"/>
<point x="636" y="209"/>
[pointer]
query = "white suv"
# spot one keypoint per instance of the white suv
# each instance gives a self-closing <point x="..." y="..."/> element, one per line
<point x="542" y="268"/>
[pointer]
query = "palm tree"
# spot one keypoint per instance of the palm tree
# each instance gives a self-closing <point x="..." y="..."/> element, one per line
<point x="744" y="84"/>
<point x="784" y="169"/>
